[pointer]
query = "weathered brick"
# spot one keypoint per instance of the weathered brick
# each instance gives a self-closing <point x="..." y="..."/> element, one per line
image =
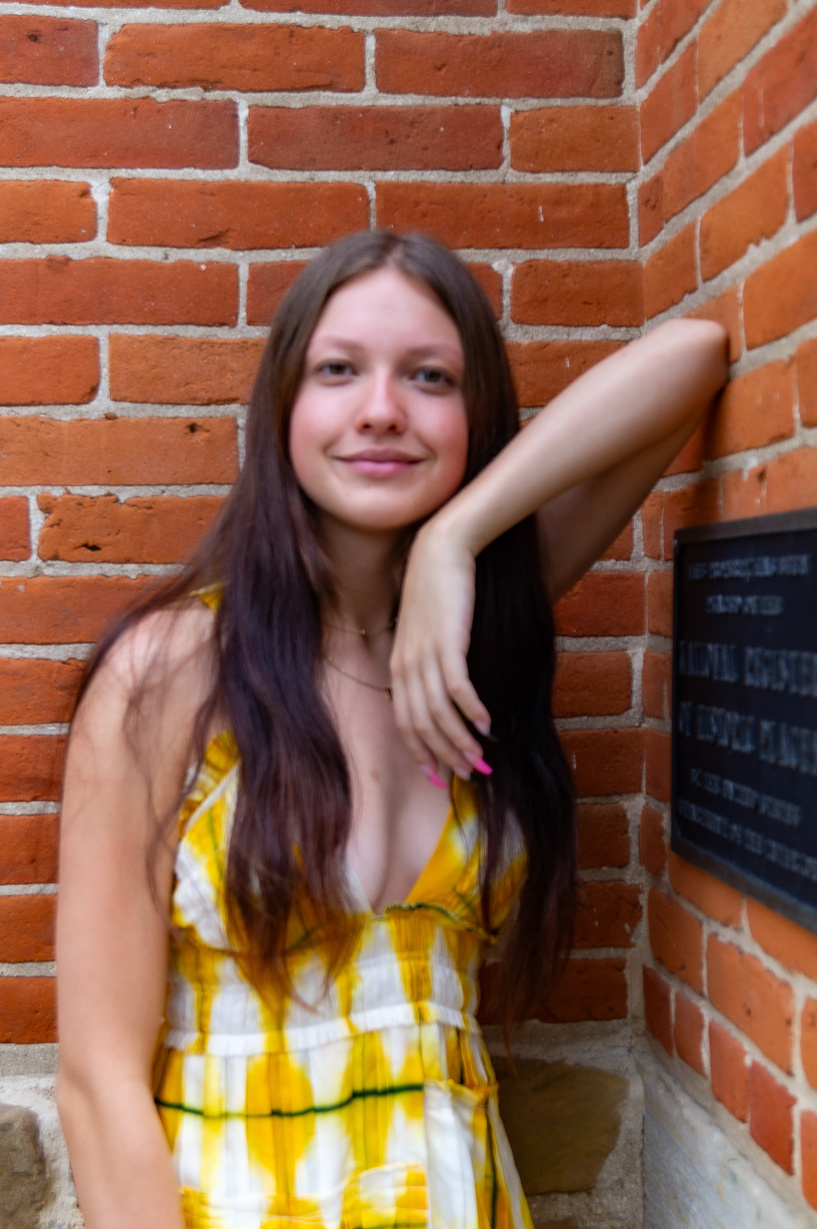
<point x="37" y="691"/>
<point x="657" y="765"/>
<point x="30" y="767"/>
<point x="48" y="51"/>
<point x="29" y="848"/>
<point x="46" y="211"/>
<point x="659" y="603"/>
<point x="755" y="409"/>
<point x="743" y="493"/>
<point x="808" y="1155"/>
<point x="607" y="914"/>
<point x="183" y="370"/>
<point x="603" y="604"/>
<point x="376" y="138"/>
<point x="752" y="212"/>
<point x="543" y="368"/>
<point x="808" y="1040"/>
<point x="652" y="841"/>
<point x="592" y="684"/>
<point x="707" y="154"/>
<point x="27" y="928"/>
<point x="790" y="480"/>
<point x="266" y="286"/>
<point x="655" y="685"/>
<point x="575" y="139"/>
<point x="689" y="1032"/>
<point x="658" y="1007"/>
<point x="48" y="371"/>
<point x="671" y="273"/>
<point x="587" y="990"/>
<point x="604" y="835"/>
<point x="15" y="540"/>
<point x="193" y="214"/>
<point x="793" y="945"/>
<point x="781" y="84"/>
<point x="117" y="451"/>
<point x="117" y="132"/>
<point x="136" y="4"/>
<point x="536" y="64"/>
<point x="378" y="8"/>
<point x="508" y="215"/>
<point x="770" y="1116"/>
<point x="712" y="896"/>
<point x="725" y="309"/>
<point x="658" y="35"/>
<point x="676" y="938"/>
<point x="760" y="1004"/>
<point x="604" y="761"/>
<point x="782" y="294"/>
<point x="670" y="104"/>
<point x="652" y="525"/>
<point x="28" y="1010"/>
<point x="692" y="505"/>
<point x="621" y="547"/>
<point x="105" y="529"/>
<point x="61" y="609"/>
<point x="230" y="56"/>
<point x="806" y="366"/>
<point x="650" y="209"/>
<point x="589" y="8"/>
<point x="578" y="292"/>
<point x="729" y="1071"/>
<point x="804" y="172"/>
<point x="734" y="28"/>
<point x="100" y="290"/>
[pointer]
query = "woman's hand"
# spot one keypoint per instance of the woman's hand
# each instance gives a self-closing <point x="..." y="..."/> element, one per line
<point x="431" y="688"/>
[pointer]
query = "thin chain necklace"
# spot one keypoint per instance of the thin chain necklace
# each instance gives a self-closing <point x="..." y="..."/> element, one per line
<point x="363" y="682"/>
<point x="361" y="631"/>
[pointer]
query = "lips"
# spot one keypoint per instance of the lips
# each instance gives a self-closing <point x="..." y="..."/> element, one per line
<point x="380" y="462"/>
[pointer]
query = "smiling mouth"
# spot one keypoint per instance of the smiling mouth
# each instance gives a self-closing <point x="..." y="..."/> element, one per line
<point x="380" y="464"/>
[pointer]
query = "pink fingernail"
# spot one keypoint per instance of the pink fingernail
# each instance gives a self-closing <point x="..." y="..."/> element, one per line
<point x="432" y="776"/>
<point x="484" y="727"/>
<point x="478" y="763"/>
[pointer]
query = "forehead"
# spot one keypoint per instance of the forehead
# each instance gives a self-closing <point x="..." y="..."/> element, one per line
<point x="386" y="304"/>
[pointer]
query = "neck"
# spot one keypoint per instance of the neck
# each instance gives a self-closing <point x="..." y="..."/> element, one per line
<point x="366" y="581"/>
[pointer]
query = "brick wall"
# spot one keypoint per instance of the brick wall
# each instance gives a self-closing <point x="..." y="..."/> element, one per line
<point x="727" y="97"/>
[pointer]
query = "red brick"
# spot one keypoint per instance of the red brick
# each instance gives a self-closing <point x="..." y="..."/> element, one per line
<point x="754" y="211"/>
<point x="676" y="938"/>
<point x="650" y="209"/>
<point x="535" y="64"/>
<point x="27" y="928"/>
<point x="621" y="547"/>
<point x="575" y="139"/>
<point x="603" y="604"/>
<point x="653" y="841"/>
<point x="189" y="213"/>
<point x="133" y="4"/>
<point x="30" y="767"/>
<point x="730" y="34"/>
<point x="604" y="835"/>
<point x="770" y="1116"/>
<point x="48" y="371"/>
<point x="659" y="603"/>
<point x="604" y="761"/>
<point x="61" y="610"/>
<point x="36" y="692"/>
<point x="808" y="1041"/>
<point x="48" y="51"/>
<point x="655" y="685"/>
<point x="666" y="24"/>
<point x="658" y="1007"/>
<point x="28" y="1010"/>
<point x="790" y="481"/>
<point x="729" y="1071"/>
<point x="119" y="451"/>
<point x="652" y="519"/>
<point x="760" y="1004"/>
<point x="376" y="138"/>
<point x="689" y="1032"/>
<point x="804" y="172"/>
<point x="806" y="364"/>
<point x="589" y="8"/>
<point x="578" y="292"/>
<point x="671" y="273"/>
<point x="15" y="541"/>
<point x="509" y="215"/>
<point x="117" y="132"/>
<point x="781" y="84"/>
<point x="691" y="457"/>
<point x="792" y="945"/>
<point x="29" y="845"/>
<point x="543" y="368"/>
<point x="725" y="309"/>
<point x="587" y="990"/>
<point x="99" y="290"/>
<point x="712" y="896"/>
<point x="46" y="211"/>
<point x="693" y="505"/>
<point x="266" y="287"/>
<point x="183" y="370"/>
<point x="378" y="8"/>
<point x="592" y="684"/>
<point x="607" y="914"/>
<point x="755" y="409"/>
<point x="670" y="104"/>
<point x="657" y="764"/>
<point x="105" y="529"/>
<point x="230" y="56"/>
<point x="743" y="493"/>
<point x="706" y="155"/>
<point x="808" y="1154"/>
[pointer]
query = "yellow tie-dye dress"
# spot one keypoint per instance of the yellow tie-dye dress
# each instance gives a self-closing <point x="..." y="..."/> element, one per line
<point x="377" y="1109"/>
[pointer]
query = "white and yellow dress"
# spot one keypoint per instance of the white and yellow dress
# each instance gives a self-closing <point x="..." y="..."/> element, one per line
<point x="377" y="1109"/>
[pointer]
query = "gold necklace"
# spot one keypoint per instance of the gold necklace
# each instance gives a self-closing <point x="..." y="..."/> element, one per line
<point x="363" y="682"/>
<point x="360" y="631"/>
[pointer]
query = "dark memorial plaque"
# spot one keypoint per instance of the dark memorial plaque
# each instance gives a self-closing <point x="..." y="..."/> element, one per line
<point x="744" y="710"/>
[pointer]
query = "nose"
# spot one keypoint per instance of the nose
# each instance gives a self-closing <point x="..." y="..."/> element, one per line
<point x="381" y="407"/>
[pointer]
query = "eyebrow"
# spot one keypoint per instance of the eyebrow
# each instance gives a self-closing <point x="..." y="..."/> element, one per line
<point x="433" y="349"/>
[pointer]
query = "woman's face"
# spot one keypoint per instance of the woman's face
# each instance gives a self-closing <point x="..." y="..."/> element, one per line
<point x="378" y="436"/>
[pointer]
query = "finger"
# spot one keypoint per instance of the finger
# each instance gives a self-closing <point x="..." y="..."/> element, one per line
<point x="425" y="758"/>
<point x="427" y="728"/>
<point x="464" y="694"/>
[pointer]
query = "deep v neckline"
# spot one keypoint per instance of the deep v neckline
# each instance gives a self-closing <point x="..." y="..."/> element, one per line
<point x="414" y="893"/>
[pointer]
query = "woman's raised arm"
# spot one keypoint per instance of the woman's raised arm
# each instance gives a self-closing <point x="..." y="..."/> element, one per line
<point x="584" y="465"/>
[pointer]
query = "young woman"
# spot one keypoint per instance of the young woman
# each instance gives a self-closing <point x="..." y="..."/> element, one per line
<point x="325" y="753"/>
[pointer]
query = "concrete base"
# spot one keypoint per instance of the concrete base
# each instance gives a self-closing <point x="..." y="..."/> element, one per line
<point x="60" y="1210"/>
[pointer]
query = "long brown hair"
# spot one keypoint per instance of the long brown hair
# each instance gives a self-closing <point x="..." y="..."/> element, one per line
<point x="289" y="837"/>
